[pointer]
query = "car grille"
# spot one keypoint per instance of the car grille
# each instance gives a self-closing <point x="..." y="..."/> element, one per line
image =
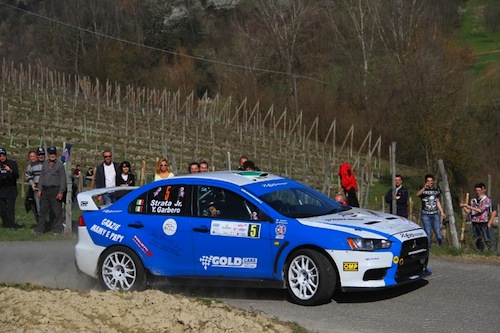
<point x="413" y="258"/>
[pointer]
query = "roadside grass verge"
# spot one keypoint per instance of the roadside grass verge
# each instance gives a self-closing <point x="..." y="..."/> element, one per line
<point x="466" y="254"/>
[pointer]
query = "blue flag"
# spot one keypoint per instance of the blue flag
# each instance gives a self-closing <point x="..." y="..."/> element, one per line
<point x="66" y="153"/>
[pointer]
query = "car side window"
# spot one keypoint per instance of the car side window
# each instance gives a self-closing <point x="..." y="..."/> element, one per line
<point x="163" y="200"/>
<point x="220" y="203"/>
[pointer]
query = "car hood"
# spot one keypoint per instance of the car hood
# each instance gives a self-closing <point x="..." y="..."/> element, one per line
<point x="365" y="222"/>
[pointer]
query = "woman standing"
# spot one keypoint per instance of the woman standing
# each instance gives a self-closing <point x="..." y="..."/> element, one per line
<point x="125" y="178"/>
<point x="163" y="169"/>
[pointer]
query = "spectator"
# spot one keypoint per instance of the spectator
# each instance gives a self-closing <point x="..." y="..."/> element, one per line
<point x="194" y="167"/>
<point x="89" y="176"/>
<point x="431" y="209"/>
<point x="339" y="197"/>
<point x="32" y="174"/>
<point x="9" y="173"/>
<point x="51" y="188"/>
<point x="29" y="200"/>
<point x="349" y="185"/>
<point x="243" y="159"/>
<point x="125" y="177"/>
<point x="77" y="172"/>
<point x="401" y="198"/>
<point x="163" y="169"/>
<point x="249" y="166"/>
<point x="106" y="176"/>
<point x="479" y="209"/>
<point x="203" y="166"/>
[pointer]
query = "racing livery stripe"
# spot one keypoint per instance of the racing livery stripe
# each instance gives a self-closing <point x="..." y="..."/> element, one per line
<point x="361" y="232"/>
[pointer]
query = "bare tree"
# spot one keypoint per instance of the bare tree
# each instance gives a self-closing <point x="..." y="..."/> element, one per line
<point x="398" y="22"/>
<point x="354" y="25"/>
<point x="286" y="22"/>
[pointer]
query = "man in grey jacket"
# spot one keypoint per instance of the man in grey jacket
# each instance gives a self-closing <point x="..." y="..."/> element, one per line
<point x="51" y="188"/>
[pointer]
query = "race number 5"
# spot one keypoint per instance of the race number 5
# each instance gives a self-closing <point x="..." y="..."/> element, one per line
<point x="254" y="231"/>
<point x="167" y="193"/>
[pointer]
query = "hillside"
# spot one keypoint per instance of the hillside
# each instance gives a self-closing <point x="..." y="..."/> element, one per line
<point x="141" y="125"/>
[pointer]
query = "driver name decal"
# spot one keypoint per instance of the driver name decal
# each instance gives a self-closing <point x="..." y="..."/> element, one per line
<point x="165" y="207"/>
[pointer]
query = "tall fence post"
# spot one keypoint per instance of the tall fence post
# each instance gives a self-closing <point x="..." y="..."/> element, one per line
<point x="449" y="204"/>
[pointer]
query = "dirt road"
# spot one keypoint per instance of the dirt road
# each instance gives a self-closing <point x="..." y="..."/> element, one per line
<point x="448" y="301"/>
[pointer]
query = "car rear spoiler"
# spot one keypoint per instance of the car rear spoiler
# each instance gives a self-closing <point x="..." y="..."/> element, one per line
<point x="88" y="200"/>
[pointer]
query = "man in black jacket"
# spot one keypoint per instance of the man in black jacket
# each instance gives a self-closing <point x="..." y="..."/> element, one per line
<point x="9" y="173"/>
<point x="401" y="198"/>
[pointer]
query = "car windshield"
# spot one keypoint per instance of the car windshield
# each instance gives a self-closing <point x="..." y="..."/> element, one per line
<point x="302" y="202"/>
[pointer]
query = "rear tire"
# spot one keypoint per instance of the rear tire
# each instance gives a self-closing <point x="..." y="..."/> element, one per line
<point x="310" y="278"/>
<point x="121" y="269"/>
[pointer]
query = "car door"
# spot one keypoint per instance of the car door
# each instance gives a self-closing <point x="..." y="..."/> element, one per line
<point x="231" y="235"/>
<point x="160" y="229"/>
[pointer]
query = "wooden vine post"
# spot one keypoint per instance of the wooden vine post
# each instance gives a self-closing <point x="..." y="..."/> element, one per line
<point x="464" y="221"/>
<point x="449" y="204"/>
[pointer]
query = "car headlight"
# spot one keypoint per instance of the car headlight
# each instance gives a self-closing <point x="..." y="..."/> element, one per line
<point x="363" y="244"/>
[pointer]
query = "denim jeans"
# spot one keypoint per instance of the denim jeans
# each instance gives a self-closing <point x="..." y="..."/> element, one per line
<point x="481" y="233"/>
<point x="432" y="222"/>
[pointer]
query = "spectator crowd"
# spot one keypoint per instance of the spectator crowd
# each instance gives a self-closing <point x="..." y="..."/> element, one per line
<point x="46" y="177"/>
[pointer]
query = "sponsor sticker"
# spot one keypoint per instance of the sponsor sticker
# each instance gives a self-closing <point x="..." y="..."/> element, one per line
<point x="228" y="262"/>
<point x="169" y="227"/>
<point x="141" y="245"/>
<point x="280" y="231"/>
<point x="413" y="234"/>
<point x="235" y="229"/>
<point x="350" y="266"/>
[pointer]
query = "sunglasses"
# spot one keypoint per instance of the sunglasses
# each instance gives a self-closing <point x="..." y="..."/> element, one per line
<point x="106" y="156"/>
<point x="163" y="165"/>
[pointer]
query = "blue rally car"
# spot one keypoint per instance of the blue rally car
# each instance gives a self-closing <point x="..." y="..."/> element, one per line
<point x="237" y="227"/>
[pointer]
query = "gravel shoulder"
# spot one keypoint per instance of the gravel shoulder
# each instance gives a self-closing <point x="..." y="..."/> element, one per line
<point x="52" y="310"/>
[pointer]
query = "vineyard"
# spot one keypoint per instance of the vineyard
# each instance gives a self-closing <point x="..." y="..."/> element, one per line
<point x="40" y="107"/>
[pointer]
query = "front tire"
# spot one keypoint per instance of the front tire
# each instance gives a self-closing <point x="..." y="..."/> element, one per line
<point x="121" y="269"/>
<point x="310" y="278"/>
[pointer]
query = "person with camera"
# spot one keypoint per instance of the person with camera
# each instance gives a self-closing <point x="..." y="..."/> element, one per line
<point x="51" y="188"/>
<point x="9" y="173"/>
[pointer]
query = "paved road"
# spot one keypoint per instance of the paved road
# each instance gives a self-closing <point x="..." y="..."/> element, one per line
<point x="458" y="297"/>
